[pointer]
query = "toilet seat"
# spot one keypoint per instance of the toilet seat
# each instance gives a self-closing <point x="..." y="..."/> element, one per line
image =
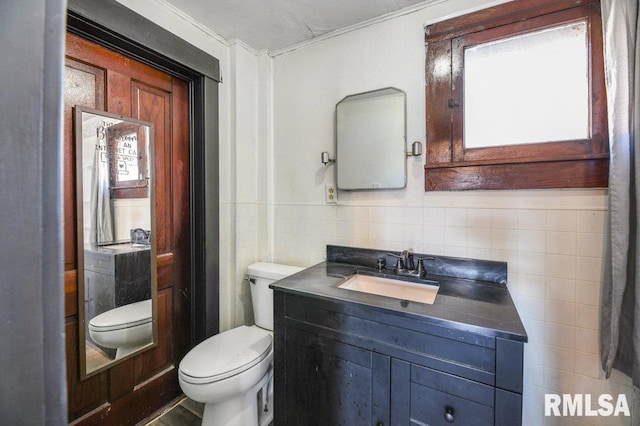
<point x="126" y="316"/>
<point x="225" y="355"/>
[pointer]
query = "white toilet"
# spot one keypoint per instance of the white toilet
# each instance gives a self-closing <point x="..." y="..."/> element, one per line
<point x="232" y="372"/>
<point x="125" y="328"/>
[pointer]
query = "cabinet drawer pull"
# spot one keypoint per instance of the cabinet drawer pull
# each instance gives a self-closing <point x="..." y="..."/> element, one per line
<point x="448" y="415"/>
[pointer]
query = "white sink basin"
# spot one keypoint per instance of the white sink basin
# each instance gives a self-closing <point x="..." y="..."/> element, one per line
<point x="403" y="290"/>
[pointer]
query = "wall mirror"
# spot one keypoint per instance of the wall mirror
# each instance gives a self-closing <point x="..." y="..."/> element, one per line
<point x="116" y="238"/>
<point x="371" y="140"/>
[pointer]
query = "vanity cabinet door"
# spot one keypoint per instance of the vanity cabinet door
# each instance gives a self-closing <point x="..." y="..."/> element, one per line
<point x="333" y="383"/>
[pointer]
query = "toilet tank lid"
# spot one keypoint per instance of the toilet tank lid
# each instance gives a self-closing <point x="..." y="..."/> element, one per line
<point x="273" y="271"/>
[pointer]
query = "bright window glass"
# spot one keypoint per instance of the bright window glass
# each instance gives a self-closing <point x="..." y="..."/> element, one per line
<point x="530" y="88"/>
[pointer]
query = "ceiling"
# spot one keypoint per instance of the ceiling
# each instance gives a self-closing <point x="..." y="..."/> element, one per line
<point x="278" y="24"/>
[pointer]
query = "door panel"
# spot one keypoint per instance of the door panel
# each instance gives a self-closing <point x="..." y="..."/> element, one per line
<point x="102" y="79"/>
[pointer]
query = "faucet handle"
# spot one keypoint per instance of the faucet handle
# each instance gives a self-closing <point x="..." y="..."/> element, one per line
<point x="422" y="270"/>
<point x="400" y="261"/>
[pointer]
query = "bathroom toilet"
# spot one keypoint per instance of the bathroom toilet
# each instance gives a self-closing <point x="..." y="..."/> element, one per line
<point x="232" y="372"/>
<point x="125" y="328"/>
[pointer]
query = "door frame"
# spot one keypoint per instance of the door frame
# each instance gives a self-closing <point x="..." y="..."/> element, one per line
<point x="108" y="23"/>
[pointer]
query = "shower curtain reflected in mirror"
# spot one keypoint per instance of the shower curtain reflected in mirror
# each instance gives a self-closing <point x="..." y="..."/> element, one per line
<point x="101" y="207"/>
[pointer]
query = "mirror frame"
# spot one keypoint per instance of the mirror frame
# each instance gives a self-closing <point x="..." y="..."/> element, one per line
<point x="80" y="243"/>
<point x="402" y="145"/>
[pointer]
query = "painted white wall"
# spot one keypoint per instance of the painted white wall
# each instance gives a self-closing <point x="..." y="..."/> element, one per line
<point x="552" y="239"/>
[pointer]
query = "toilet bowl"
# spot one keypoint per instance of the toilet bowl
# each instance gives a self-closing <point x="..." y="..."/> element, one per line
<point x="125" y="328"/>
<point x="232" y="372"/>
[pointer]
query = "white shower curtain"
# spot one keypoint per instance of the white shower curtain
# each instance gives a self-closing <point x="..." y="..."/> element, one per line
<point x="620" y="317"/>
<point x="101" y="215"/>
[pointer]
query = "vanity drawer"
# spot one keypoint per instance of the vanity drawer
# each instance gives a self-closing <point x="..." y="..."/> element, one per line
<point x="439" y="398"/>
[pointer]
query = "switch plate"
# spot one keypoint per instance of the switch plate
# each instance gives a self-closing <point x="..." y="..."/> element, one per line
<point x="330" y="194"/>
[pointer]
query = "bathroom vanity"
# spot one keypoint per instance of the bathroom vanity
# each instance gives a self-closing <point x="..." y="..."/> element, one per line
<point x="345" y="357"/>
<point x="116" y="275"/>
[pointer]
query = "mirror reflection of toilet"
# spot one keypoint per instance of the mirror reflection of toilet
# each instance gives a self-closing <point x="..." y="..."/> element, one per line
<point x="125" y="328"/>
<point x="232" y="372"/>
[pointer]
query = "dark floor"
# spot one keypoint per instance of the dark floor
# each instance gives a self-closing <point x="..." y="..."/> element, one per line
<point x="184" y="413"/>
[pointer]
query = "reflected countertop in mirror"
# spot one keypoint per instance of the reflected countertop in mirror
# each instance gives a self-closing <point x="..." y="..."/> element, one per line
<point x="118" y="248"/>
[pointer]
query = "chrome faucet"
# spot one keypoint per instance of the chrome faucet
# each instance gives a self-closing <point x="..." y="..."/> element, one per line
<point x="405" y="264"/>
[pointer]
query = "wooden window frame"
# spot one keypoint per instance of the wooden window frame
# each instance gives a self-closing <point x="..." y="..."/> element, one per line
<point x="568" y="164"/>
<point x="135" y="188"/>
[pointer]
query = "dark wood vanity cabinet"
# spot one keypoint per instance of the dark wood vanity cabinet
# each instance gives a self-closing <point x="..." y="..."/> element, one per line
<point x="343" y="363"/>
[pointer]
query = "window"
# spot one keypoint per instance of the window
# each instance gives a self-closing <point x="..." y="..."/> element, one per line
<point x="515" y="98"/>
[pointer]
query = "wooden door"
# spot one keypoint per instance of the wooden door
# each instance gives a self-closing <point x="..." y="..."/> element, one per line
<point x="102" y="79"/>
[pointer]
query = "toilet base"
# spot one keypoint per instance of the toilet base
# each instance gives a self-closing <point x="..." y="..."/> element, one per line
<point x="122" y="352"/>
<point x="245" y="409"/>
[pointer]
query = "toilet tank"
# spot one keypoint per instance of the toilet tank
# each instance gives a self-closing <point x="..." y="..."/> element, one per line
<point x="260" y="275"/>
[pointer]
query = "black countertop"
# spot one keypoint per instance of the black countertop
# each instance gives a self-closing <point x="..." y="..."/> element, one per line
<point x="482" y="307"/>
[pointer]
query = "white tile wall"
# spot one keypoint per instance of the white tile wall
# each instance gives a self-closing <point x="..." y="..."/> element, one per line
<point x="555" y="268"/>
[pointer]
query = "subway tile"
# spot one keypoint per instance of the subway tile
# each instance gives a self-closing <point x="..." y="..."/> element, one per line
<point x="588" y="317"/>
<point x="558" y="381"/>
<point x="560" y="289"/>
<point x="504" y="239"/>
<point x="588" y="364"/>
<point x="479" y="238"/>
<point x="377" y="214"/>
<point x="534" y="220"/>
<point x="455" y="251"/>
<point x="561" y="243"/>
<point x="589" y="293"/>
<point x="587" y="340"/>
<point x="531" y="375"/>
<point x="456" y="217"/>
<point x="532" y="263"/>
<point x="479" y="218"/>
<point x="509" y="256"/>
<point x="413" y="236"/>
<point x="433" y="235"/>
<point x="433" y="216"/>
<point x="454" y="236"/>
<point x="562" y="220"/>
<point x="504" y="219"/>
<point x="533" y="405"/>
<point x="534" y="354"/>
<point x="561" y="266"/>
<point x="531" y="241"/>
<point x="562" y="336"/>
<point x="560" y="312"/>
<point x="559" y="358"/>
<point x="531" y="286"/>
<point x="531" y="307"/>
<point x="591" y="221"/>
<point x="413" y="216"/>
<point x="394" y="214"/>
<point x="535" y="329"/>
<point x="589" y="268"/>
<point x="590" y="245"/>
<point x="479" y="253"/>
